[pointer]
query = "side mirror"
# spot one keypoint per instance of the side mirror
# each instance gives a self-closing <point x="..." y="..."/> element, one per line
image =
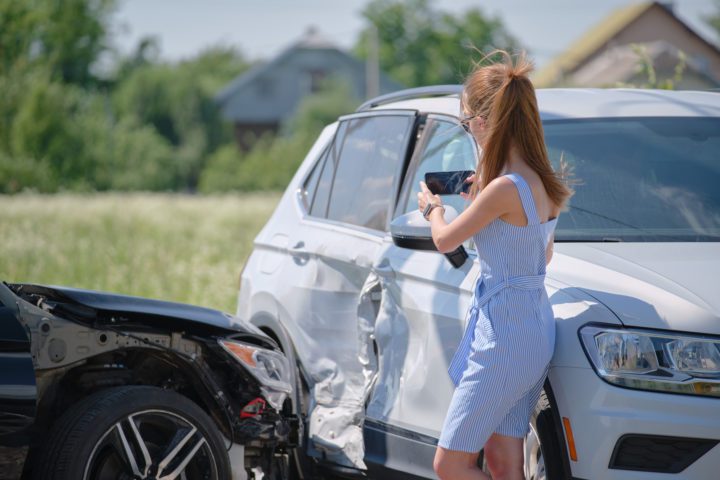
<point x="412" y="231"/>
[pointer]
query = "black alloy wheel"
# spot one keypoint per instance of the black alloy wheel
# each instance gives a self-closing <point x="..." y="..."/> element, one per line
<point x="133" y="433"/>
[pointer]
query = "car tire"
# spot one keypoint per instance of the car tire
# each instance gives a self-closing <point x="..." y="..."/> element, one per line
<point x="543" y="452"/>
<point x="117" y="430"/>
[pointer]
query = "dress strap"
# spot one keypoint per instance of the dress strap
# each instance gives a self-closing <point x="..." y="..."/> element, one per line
<point x="526" y="198"/>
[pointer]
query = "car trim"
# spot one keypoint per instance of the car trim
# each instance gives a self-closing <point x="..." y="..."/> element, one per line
<point x="411" y="94"/>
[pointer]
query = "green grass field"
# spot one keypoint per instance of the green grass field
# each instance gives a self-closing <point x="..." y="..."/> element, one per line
<point x="182" y="248"/>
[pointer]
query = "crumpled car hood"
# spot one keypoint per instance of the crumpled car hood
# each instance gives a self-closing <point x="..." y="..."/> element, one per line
<point x="671" y="286"/>
<point x="156" y="313"/>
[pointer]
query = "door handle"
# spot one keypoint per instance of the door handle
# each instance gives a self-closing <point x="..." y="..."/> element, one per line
<point x="299" y="254"/>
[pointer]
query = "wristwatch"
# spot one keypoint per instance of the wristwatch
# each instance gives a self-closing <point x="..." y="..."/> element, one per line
<point x="429" y="207"/>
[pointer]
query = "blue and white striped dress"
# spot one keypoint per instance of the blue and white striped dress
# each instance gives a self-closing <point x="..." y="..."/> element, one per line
<point x="502" y="360"/>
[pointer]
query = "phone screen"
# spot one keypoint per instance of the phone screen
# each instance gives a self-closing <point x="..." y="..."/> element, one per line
<point x="448" y="183"/>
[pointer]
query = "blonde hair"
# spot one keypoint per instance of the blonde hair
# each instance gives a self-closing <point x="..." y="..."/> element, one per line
<point x="503" y="95"/>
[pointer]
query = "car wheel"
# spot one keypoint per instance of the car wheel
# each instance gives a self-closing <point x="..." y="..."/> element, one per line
<point x="543" y="459"/>
<point x="135" y="432"/>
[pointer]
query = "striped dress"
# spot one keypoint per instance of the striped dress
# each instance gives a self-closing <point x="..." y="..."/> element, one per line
<point x="503" y="358"/>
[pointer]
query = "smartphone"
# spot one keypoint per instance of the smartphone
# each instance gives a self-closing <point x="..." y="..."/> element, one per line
<point x="448" y="183"/>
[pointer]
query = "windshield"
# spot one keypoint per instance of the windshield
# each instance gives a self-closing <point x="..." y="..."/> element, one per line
<point x="640" y="179"/>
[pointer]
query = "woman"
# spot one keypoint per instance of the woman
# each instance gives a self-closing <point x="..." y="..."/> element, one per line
<point x="502" y="360"/>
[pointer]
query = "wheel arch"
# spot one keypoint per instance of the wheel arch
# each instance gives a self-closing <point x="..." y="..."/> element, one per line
<point x="558" y="427"/>
<point x="70" y="385"/>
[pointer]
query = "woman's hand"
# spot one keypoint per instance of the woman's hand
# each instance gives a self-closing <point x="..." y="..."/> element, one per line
<point x="425" y="196"/>
<point x="470" y="179"/>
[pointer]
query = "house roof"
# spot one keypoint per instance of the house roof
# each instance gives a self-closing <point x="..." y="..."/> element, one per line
<point x="590" y="42"/>
<point x="270" y="92"/>
<point x="620" y="64"/>
<point x="311" y="40"/>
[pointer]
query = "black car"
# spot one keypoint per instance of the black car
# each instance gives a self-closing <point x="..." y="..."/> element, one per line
<point x="102" y="386"/>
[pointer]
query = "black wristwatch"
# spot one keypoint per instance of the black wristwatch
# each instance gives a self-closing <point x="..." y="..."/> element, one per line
<point x="428" y="209"/>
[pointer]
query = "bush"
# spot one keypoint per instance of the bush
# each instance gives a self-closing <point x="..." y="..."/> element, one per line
<point x="18" y="174"/>
<point x="268" y="166"/>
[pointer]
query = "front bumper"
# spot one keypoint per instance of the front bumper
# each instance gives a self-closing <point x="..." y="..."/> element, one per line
<point x="600" y="414"/>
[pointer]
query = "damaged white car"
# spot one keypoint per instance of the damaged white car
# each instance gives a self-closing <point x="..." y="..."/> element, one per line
<point x="345" y="277"/>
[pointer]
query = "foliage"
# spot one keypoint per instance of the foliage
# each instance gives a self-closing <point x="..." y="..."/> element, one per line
<point x="177" y="100"/>
<point x="65" y="37"/>
<point x="151" y="125"/>
<point x="419" y="45"/>
<point x="273" y="159"/>
<point x="646" y="69"/>
<point x="169" y="246"/>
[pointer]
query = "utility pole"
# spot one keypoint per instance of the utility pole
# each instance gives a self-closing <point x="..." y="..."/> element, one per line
<point x="372" y="66"/>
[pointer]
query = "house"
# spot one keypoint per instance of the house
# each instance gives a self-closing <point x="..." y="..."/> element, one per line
<point x="610" y="53"/>
<point x="259" y="100"/>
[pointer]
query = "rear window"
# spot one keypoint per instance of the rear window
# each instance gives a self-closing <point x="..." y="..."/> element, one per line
<point x="642" y="179"/>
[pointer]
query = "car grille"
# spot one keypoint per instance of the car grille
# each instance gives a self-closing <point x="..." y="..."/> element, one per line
<point x="656" y="453"/>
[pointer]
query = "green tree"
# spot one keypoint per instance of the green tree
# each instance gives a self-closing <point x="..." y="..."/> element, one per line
<point x="177" y="100"/>
<point x="66" y="37"/>
<point x="419" y="45"/>
<point x="273" y="159"/>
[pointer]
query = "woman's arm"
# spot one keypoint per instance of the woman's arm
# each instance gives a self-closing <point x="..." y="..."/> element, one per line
<point x="493" y="201"/>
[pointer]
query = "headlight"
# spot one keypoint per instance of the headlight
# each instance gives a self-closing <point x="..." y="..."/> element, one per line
<point x="654" y="360"/>
<point x="269" y="367"/>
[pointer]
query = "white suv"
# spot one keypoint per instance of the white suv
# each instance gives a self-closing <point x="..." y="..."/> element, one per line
<point x="345" y="276"/>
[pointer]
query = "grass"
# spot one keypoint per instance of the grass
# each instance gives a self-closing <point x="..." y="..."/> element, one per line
<point x="182" y="248"/>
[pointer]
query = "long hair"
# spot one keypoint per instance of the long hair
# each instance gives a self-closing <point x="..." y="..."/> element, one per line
<point x="503" y="95"/>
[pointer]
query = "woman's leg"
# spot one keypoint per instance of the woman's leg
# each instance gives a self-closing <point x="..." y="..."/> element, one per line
<point x="457" y="465"/>
<point x="504" y="456"/>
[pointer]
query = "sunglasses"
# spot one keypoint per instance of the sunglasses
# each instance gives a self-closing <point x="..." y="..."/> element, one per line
<point x="465" y="122"/>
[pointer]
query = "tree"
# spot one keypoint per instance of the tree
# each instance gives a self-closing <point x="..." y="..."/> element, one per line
<point x="65" y="37"/>
<point x="419" y="45"/>
<point x="273" y="159"/>
<point x="177" y="100"/>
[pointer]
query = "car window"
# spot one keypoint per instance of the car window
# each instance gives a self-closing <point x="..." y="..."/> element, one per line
<point x="448" y="147"/>
<point x="373" y="150"/>
<point x="326" y="170"/>
<point x="639" y="179"/>
<point x="311" y="183"/>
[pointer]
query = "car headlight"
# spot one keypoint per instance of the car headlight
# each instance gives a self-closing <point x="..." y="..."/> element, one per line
<point x="269" y="367"/>
<point x="654" y="360"/>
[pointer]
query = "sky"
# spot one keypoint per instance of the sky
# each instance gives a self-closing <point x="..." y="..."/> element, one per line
<point x="261" y="29"/>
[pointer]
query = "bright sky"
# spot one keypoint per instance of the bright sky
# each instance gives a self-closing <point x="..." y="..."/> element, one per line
<point x="263" y="28"/>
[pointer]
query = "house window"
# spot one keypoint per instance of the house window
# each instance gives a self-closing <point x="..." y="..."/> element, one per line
<point x="316" y="80"/>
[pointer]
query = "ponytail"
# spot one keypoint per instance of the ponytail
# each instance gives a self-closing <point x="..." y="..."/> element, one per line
<point x="503" y="95"/>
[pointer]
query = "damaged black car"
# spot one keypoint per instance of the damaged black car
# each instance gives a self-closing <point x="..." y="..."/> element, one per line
<point x="102" y="386"/>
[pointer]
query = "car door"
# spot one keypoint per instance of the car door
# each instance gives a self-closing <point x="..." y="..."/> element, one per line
<point x="425" y="300"/>
<point x="348" y="200"/>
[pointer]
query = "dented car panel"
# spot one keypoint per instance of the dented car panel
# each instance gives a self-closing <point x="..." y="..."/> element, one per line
<point x="80" y="341"/>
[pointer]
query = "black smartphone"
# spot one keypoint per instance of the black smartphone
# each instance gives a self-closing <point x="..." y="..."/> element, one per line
<point x="448" y="183"/>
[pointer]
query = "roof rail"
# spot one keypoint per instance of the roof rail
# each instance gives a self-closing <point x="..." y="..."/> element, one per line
<point x="410" y="93"/>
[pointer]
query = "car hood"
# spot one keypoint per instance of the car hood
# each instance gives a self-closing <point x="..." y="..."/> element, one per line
<point x="655" y="285"/>
<point x="124" y="309"/>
